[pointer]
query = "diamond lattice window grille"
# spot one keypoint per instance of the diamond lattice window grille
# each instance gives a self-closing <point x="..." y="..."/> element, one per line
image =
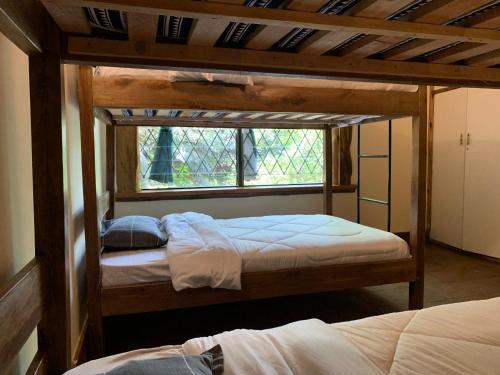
<point x="283" y="156"/>
<point x="196" y="157"/>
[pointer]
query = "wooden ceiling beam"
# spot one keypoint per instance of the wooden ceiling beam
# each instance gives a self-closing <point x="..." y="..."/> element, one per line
<point x="70" y="18"/>
<point x="113" y="92"/>
<point x="491" y="58"/>
<point x="287" y="18"/>
<point x="21" y="21"/>
<point x="82" y="50"/>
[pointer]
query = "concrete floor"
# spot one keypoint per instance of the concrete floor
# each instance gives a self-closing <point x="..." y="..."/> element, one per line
<point x="449" y="277"/>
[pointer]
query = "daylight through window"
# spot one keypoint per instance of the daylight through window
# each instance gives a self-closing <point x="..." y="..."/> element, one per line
<point x="177" y="157"/>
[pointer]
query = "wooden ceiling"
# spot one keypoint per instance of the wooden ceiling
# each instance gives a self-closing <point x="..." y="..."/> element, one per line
<point x="410" y="41"/>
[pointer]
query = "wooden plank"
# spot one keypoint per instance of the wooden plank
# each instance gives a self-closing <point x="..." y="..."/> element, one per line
<point x="20" y="312"/>
<point x="158" y="296"/>
<point x="49" y="196"/>
<point x="123" y="53"/>
<point x="328" y="170"/>
<point x="439" y="16"/>
<point x="70" y="19"/>
<point x="111" y="92"/>
<point x="22" y="22"/>
<point x="142" y="27"/>
<point x="231" y="192"/>
<point x="91" y="214"/>
<point x="216" y="123"/>
<point x="419" y="199"/>
<point x="345" y="159"/>
<point x="266" y="36"/>
<point x="430" y="155"/>
<point x="324" y="41"/>
<point x="127" y="161"/>
<point x="110" y="169"/>
<point x="491" y="58"/>
<point x="206" y="31"/>
<point x="39" y="365"/>
<point x="287" y="18"/>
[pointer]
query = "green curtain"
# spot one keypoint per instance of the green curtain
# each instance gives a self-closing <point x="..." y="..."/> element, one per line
<point x="162" y="164"/>
<point x="250" y="169"/>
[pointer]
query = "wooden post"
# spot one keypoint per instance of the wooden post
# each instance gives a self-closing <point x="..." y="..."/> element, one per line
<point x="127" y="159"/>
<point x="429" y="161"/>
<point x="91" y="216"/>
<point x="336" y="156"/>
<point x="328" y="169"/>
<point x="110" y="169"/>
<point x="49" y="197"/>
<point x="418" y="199"/>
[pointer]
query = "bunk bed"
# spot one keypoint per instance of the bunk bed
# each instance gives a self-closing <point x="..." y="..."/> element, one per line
<point x="421" y="42"/>
<point x="338" y="107"/>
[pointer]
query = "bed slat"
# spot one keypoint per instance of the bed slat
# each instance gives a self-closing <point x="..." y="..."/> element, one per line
<point x="20" y="312"/>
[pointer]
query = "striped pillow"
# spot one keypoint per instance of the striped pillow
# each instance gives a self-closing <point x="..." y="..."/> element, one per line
<point x="133" y="232"/>
<point x="210" y="362"/>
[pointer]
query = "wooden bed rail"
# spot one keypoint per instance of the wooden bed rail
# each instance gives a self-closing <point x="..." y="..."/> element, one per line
<point x="20" y="312"/>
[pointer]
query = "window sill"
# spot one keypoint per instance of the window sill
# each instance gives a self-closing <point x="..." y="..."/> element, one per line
<point x="232" y="192"/>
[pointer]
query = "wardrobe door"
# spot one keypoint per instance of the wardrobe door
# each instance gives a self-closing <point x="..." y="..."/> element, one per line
<point x="482" y="173"/>
<point x="450" y="113"/>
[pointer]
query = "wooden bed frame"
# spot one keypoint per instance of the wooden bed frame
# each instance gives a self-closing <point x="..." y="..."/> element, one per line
<point x="97" y="93"/>
<point x="38" y="295"/>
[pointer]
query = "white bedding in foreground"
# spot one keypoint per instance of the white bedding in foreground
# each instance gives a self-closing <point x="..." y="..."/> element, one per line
<point x="262" y="243"/>
<point x="457" y="339"/>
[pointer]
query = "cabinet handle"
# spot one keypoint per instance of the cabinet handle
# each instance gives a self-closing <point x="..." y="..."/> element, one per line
<point x="461" y="139"/>
<point x="468" y="139"/>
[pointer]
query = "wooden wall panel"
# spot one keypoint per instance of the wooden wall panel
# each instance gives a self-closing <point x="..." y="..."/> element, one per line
<point x="126" y="160"/>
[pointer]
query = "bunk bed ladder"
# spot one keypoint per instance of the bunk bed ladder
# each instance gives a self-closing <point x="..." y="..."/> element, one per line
<point x="387" y="156"/>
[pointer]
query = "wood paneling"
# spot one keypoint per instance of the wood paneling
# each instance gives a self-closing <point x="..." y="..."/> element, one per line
<point x="142" y="27"/>
<point x="345" y="160"/>
<point x="111" y="169"/>
<point x="20" y="312"/>
<point x="91" y="213"/>
<point x="161" y="56"/>
<point x="127" y="159"/>
<point x="130" y="299"/>
<point x="418" y="198"/>
<point x="49" y="196"/>
<point x="146" y="93"/>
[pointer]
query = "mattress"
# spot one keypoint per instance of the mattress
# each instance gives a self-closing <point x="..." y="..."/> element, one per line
<point x="268" y="243"/>
<point x="456" y="339"/>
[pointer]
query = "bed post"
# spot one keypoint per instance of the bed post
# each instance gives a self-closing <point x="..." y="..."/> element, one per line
<point x="418" y="198"/>
<point x="110" y="168"/>
<point x="91" y="216"/>
<point x="328" y="169"/>
<point x="49" y="197"/>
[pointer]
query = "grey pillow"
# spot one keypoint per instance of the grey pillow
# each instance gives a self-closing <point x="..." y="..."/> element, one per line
<point x="210" y="362"/>
<point x="133" y="232"/>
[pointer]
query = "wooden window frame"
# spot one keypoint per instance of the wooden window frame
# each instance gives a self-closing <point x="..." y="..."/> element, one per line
<point x="128" y="178"/>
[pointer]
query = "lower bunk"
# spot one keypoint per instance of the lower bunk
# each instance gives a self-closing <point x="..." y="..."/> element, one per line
<point x="448" y="339"/>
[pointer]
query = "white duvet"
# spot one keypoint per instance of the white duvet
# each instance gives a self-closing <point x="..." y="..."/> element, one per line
<point x="202" y="251"/>
<point x="457" y="339"/>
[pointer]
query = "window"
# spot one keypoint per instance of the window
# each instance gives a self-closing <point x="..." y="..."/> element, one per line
<point x="205" y="157"/>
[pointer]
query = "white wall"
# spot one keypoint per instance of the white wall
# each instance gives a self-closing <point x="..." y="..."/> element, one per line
<point x="17" y="238"/>
<point x="374" y="174"/>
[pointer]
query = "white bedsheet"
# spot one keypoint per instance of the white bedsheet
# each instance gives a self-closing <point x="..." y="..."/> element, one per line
<point x="456" y="339"/>
<point x="268" y="243"/>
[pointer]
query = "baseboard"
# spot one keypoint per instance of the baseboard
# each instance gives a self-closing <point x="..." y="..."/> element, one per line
<point x="465" y="252"/>
<point x="79" y="354"/>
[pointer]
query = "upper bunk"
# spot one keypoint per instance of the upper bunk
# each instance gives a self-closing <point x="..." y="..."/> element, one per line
<point x="196" y="99"/>
<point x="442" y="42"/>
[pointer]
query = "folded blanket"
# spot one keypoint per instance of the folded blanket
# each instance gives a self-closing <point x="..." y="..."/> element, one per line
<point x="200" y="253"/>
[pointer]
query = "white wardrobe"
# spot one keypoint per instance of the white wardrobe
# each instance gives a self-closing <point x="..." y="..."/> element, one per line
<point x="466" y="170"/>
